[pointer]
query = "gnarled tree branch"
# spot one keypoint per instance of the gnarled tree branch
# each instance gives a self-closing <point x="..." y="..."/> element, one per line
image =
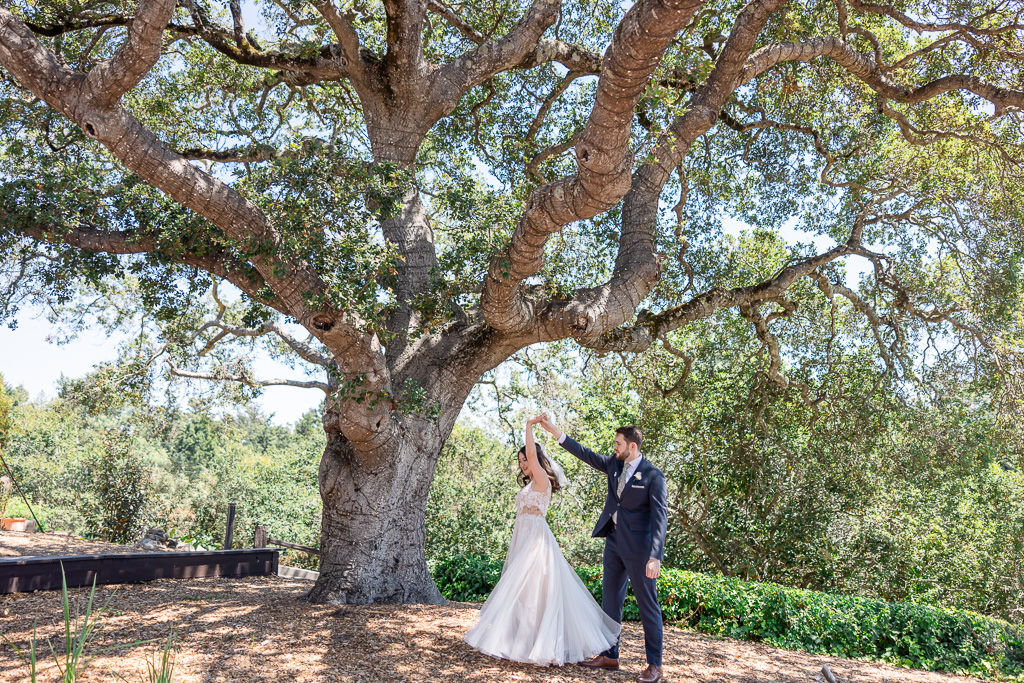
<point x="348" y="39"/>
<point x="249" y="381"/>
<point x="110" y="80"/>
<point x="295" y="284"/>
<point x="591" y="312"/>
<point x="652" y="326"/>
<point x="488" y="58"/>
<point x="868" y="71"/>
<point x="221" y="264"/>
<point x="602" y="157"/>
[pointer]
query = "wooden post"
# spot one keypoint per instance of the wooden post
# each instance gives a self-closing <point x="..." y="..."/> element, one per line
<point x="229" y="532"/>
<point x="260" y="538"/>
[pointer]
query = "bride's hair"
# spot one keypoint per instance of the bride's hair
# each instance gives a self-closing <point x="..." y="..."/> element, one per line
<point x="545" y="464"/>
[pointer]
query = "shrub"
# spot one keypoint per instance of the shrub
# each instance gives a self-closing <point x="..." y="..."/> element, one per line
<point x="471" y="506"/>
<point x="467" y="577"/>
<point x="121" y="486"/>
<point x="923" y="637"/>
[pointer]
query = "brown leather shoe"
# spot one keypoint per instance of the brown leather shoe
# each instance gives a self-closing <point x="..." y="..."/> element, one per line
<point x="652" y="674"/>
<point x="601" y="662"/>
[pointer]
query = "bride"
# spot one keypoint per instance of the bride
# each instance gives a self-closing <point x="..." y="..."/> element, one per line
<point x="540" y="612"/>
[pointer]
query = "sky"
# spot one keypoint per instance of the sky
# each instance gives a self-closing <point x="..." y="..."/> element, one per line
<point x="30" y="359"/>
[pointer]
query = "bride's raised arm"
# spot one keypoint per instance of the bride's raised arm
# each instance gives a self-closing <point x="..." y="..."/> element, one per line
<point x="537" y="473"/>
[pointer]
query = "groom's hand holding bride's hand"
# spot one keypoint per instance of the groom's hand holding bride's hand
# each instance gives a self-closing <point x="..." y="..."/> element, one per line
<point x="653" y="568"/>
<point x="548" y="424"/>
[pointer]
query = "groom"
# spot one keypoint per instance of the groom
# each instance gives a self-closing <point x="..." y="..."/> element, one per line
<point x="633" y="524"/>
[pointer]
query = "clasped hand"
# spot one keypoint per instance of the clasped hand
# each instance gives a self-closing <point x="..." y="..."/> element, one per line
<point x="544" y="420"/>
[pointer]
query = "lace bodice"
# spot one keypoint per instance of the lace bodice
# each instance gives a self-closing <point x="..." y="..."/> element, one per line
<point x="530" y="502"/>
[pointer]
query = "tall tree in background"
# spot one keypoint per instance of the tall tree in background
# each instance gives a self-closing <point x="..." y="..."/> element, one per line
<point x="195" y="446"/>
<point x="328" y="166"/>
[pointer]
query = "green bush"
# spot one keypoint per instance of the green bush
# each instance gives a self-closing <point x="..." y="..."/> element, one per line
<point x="906" y="634"/>
<point x="467" y="577"/>
<point x="121" y="486"/>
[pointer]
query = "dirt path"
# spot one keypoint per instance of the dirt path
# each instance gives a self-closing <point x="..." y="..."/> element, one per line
<point x="259" y="629"/>
<point x="13" y="544"/>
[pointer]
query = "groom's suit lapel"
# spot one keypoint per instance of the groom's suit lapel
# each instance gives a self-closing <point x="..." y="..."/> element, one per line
<point x="619" y="469"/>
<point x="641" y="469"/>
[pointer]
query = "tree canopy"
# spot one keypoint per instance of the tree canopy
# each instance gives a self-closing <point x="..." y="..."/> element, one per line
<point x="406" y="193"/>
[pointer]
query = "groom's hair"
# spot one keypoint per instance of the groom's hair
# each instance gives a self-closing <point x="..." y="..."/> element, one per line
<point x="632" y="434"/>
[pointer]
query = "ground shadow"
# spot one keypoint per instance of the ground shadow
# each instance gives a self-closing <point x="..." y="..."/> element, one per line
<point x="255" y="629"/>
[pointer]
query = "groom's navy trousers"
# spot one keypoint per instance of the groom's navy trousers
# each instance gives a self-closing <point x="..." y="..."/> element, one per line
<point x="637" y="536"/>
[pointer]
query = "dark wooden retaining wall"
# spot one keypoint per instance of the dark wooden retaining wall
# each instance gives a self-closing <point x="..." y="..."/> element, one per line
<point x="26" y="574"/>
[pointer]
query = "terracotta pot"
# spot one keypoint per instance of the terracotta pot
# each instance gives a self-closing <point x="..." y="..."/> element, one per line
<point x="13" y="523"/>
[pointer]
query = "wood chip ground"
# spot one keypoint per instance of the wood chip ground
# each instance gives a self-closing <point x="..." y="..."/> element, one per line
<point x="14" y="544"/>
<point x="260" y="629"/>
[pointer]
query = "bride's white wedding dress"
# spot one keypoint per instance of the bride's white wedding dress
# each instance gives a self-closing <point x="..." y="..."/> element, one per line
<point x="540" y="612"/>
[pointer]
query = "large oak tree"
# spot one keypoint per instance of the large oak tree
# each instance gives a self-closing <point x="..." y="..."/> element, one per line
<point x="430" y="187"/>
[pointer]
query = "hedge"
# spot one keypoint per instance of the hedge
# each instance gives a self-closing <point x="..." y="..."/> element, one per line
<point x="919" y="636"/>
<point x="466" y="578"/>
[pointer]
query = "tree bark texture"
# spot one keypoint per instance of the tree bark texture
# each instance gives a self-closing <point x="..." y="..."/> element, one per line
<point x="373" y="534"/>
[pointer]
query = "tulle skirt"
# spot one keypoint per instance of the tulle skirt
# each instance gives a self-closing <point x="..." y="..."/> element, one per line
<point x="540" y="612"/>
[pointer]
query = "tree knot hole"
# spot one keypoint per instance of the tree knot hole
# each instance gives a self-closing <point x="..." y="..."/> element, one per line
<point x="323" y="323"/>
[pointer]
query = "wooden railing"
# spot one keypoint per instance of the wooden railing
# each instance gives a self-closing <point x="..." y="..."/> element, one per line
<point x="262" y="539"/>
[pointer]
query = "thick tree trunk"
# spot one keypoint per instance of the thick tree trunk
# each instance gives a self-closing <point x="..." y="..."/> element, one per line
<point x="373" y="535"/>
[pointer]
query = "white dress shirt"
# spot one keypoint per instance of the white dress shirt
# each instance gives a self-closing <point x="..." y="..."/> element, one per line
<point x="627" y="472"/>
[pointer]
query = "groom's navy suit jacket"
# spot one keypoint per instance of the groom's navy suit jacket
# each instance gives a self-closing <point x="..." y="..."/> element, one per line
<point x="642" y="510"/>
